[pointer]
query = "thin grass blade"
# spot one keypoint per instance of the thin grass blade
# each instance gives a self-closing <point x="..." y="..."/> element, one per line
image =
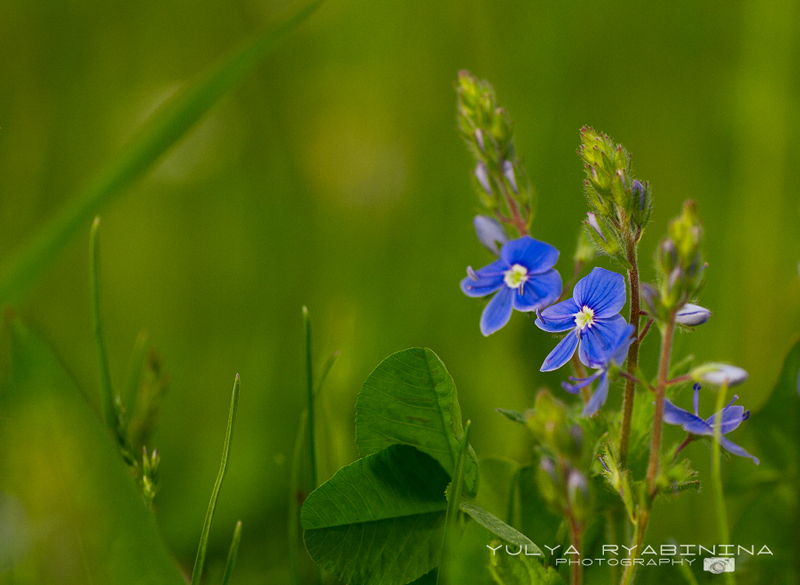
<point x="454" y="498"/>
<point x="232" y="553"/>
<point x="212" y="505"/>
<point x="106" y="391"/>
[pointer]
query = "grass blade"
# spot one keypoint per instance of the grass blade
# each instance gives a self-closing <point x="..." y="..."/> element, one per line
<point x="294" y="475"/>
<point x="106" y="391"/>
<point x="454" y="498"/>
<point x="157" y="135"/>
<point x="232" y="553"/>
<point x="312" y="444"/>
<point x="212" y="505"/>
<point x="294" y="498"/>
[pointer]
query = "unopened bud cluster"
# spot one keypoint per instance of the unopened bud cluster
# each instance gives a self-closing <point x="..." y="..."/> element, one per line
<point x="499" y="179"/>
<point x="620" y="204"/>
<point x="679" y="265"/>
<point x="559" y="478"/>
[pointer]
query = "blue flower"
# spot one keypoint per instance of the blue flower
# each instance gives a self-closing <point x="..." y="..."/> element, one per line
<point x="523" y="278"/>
<point x="616" y="355"/>
<point x="591" y="316"/>
<point x="730" y="417"/>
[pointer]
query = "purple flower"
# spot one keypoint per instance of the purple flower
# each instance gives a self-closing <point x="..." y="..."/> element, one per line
<point x="730" y="417"/>
<point x="591" y="316"/>
<point x="523" y="278"/>
<point x="616" y="355"/>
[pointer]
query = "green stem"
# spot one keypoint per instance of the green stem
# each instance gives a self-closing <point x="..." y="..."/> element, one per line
<point x="106" y="391"/>
<point x="232" y="553"/>
<point x="454" y="497"/>
<point x="200" y="560"/>
<point x="633" y="354"/>
<point x="716" y="477"/>
<point x="312" y="443"/>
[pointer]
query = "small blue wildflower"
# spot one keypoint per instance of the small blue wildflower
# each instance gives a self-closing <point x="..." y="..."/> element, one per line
<point x="615" y="357"/>
<point x="523" y="278"/>
<point x="731" y="417"/>
<point x="591" y="316"/>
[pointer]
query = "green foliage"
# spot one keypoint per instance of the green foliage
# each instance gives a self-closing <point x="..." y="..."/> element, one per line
<point x="521" y="570"/>
<point x="379" y="520"/>
<point x="83" y="519"/>
<point x="382" y="519"/>
<point x="410" y="399"/>
<point x="772" y="513"/>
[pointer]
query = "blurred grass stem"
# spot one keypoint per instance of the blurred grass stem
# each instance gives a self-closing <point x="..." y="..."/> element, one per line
<point x="212" y="504"/>
<point x="716" y="477"/>
<point x="160" y="133"/>
<point x="106" y="392"/>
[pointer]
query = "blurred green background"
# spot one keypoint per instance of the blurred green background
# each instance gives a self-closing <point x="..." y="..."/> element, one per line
<point x="335" y="178"/>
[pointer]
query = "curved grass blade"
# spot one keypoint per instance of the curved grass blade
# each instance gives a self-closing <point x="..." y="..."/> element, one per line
<point x="152" y="140"/>
<point x="106" y="391"/>
<point x="212" y="505"/>
<point x="233" y="553"/>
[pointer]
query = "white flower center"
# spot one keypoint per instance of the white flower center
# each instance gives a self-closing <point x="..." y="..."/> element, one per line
<point x="516" y="276"/>
<point x="584" y="318"/>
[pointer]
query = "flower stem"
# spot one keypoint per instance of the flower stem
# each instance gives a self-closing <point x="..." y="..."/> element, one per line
<point x="633" y="353"/>
<point x="643" y="516"/>
<point x="663" y="374"/>
<point x="716" y="477"/>
<point x="580" y="372"/>
<point x="516" y="219"/>
<point x="575" y="537"/>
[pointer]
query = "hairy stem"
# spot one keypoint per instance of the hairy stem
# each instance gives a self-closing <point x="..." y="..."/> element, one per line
<point x="661" y="387"/>
<point x="575" y="538"/>
<point x="633" y="353"/>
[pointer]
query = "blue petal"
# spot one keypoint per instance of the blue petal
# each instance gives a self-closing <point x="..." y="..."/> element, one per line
<point x="561" y="354"/>
<point x="559" y="317"/>
<point x="490" y="233"/>
<point x="729" y="445"/>
<point x="602" y="291"/>
<point x="490" y="278"/>
<point x="597" y="341"/>
<point x="534" y="255"/>
<point x="579" y="384"/>
<point x="497" y="312"/>
<point x="621" y="345"/>
<point x="685" y="419"/>
<point x="539" y="291"/>
<point x="732" y="417"/>
<point x="599" y="397"/>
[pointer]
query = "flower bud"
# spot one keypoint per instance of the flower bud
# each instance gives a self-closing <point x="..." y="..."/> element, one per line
<point x="483" y="178"/>
<point x="719" y="374"/>
<point x="508" y="171"/>
<point x="601" y="234"/>
<point x="490" y="233"/>
<point x="692" y="315"/>
<point x="577" y="494"/>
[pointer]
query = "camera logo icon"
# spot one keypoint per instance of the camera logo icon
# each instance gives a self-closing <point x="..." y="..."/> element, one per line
<point x="717" y="565"/>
